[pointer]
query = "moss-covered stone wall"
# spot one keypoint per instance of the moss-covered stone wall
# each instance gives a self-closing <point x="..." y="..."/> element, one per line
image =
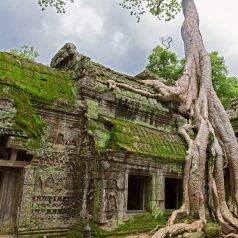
<point x="126" y="134"/>
<point x="40" y="115"/>
<point x="24" y="81"/>
<point x="85" y="141"/>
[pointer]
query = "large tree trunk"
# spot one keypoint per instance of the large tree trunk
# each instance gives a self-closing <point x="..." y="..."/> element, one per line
<point x="215" y="144"/>
<point x="215" y="139"/>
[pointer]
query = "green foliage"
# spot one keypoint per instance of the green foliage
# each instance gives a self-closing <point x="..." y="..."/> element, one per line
<point x="58" y="4"/>
<point x="166" y="65"/>
<point x="225" y="86"/>
<point x="26" y="52"/>
<point x="23" y="81"/>
<point x="163" y="9"/>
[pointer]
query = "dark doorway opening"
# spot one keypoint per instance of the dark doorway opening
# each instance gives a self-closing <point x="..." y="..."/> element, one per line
<point x="173" y="193"/>
<point x="139" y="191"/>
<point x="3" y="140"/>
<point x="10" y="190"/>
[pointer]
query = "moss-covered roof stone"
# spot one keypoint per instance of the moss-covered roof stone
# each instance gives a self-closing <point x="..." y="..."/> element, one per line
<point x="140" y="139"/>
<point x="41" y="82"/>
<point x="126" y="134"/>
<point x="147" y="141"/>
<point x="24" y="81"/>
<point x="98" y="75"/>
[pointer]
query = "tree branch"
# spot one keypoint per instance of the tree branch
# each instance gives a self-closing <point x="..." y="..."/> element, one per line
<point x="159" y="4"/>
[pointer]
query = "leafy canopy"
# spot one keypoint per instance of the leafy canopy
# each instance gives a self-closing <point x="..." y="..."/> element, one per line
<point x="166" y="65"/>
<point x="162" y="62"/>
<point x="26" y="52"/>
<point x="163" y="9"/>
<point x="166" y="9"/>
<point x="58" y="4"/>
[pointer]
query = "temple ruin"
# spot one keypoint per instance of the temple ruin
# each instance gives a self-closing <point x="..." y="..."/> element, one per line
<point x="72" y="148"/>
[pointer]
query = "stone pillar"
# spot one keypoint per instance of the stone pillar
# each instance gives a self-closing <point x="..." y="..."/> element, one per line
<point x="24" y="210"/>
<point x="126" y="189"/>
<point x="161" y="184"/>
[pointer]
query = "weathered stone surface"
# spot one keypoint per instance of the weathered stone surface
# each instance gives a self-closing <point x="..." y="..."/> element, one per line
<point x="86" y="147"/>
<point x="90" y="141"/>
<point x="8" y="112"/>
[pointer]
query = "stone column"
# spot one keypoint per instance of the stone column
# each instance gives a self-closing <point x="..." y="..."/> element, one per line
<point x="24" y="210"/>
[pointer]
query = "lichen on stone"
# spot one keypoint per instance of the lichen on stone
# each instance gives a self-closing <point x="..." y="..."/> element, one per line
<point x="26" y="82"/>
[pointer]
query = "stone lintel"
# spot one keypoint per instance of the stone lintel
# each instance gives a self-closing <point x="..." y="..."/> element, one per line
<point x="10" y="163"/>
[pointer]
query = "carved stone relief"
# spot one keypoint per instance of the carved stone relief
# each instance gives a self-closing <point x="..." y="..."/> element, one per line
<point x="112" y="199"/>
<point x="8" y="112"/>
<point x="90" y="196"/>
<point x="38" y="185"/>
<point x="57" y="195"/>
<point x="49" y="184"/>
<point x="60" y="139"/>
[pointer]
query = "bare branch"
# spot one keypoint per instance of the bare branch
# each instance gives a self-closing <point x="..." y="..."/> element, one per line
<point x="159" y="4"/>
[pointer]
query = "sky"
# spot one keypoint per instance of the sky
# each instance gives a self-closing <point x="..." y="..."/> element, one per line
<point x="105" y="32"/>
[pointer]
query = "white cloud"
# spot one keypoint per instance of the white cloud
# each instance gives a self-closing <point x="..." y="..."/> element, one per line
<point x="82" y="22"/>
<point x="105" y="32"/>
<point x="120" y="43"/>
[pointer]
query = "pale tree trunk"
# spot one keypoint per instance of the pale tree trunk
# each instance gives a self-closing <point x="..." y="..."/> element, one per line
<point x="215" y="143"/>
<point x="214" y="133"/>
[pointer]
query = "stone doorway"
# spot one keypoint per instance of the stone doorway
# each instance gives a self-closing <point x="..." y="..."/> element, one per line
<point x="10" y="182"/>
<point x="173" y="193"/>
<point x="139" y="193"/>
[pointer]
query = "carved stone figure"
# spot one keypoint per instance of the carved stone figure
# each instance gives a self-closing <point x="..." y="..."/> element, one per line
<point x="38" y="185"/>
<point x="60" y="139"/>
<point x="112" y="199"/>
<point x="90" y="196"/>
<point x="49" y="184"/>
<point x="8" y="112"/>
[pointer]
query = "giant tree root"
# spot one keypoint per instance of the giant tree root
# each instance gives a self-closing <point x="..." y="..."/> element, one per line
<point x="178" y="229"/>
<point x="195" y="98"/>
<point x="231" y="235"/>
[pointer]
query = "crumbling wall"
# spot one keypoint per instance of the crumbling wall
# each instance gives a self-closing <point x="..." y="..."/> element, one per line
<point x="48" y="124"/>
<point x="126" y="134"/>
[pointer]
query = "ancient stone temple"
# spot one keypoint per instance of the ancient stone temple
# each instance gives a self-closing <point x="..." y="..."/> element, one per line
<point x="73" y="147"/>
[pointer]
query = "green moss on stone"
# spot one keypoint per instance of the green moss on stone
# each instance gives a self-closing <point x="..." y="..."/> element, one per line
<point x="139" y="139"/>
<point x="92" y="109"/>
<point x="24" y="81"/>
<point x="147" y="141"/>
<point x="136" y="224"/>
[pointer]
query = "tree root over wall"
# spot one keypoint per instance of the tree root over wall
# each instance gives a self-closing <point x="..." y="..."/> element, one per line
<point x="215" y="143"/>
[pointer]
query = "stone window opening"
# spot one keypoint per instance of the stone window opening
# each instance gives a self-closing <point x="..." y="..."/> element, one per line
<point x="23" y="156"/>
<point x="5" y="153"/>
<point x="173" y="193"/>
<point x="4" y="140"/>
<point x="139" y="193"/>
